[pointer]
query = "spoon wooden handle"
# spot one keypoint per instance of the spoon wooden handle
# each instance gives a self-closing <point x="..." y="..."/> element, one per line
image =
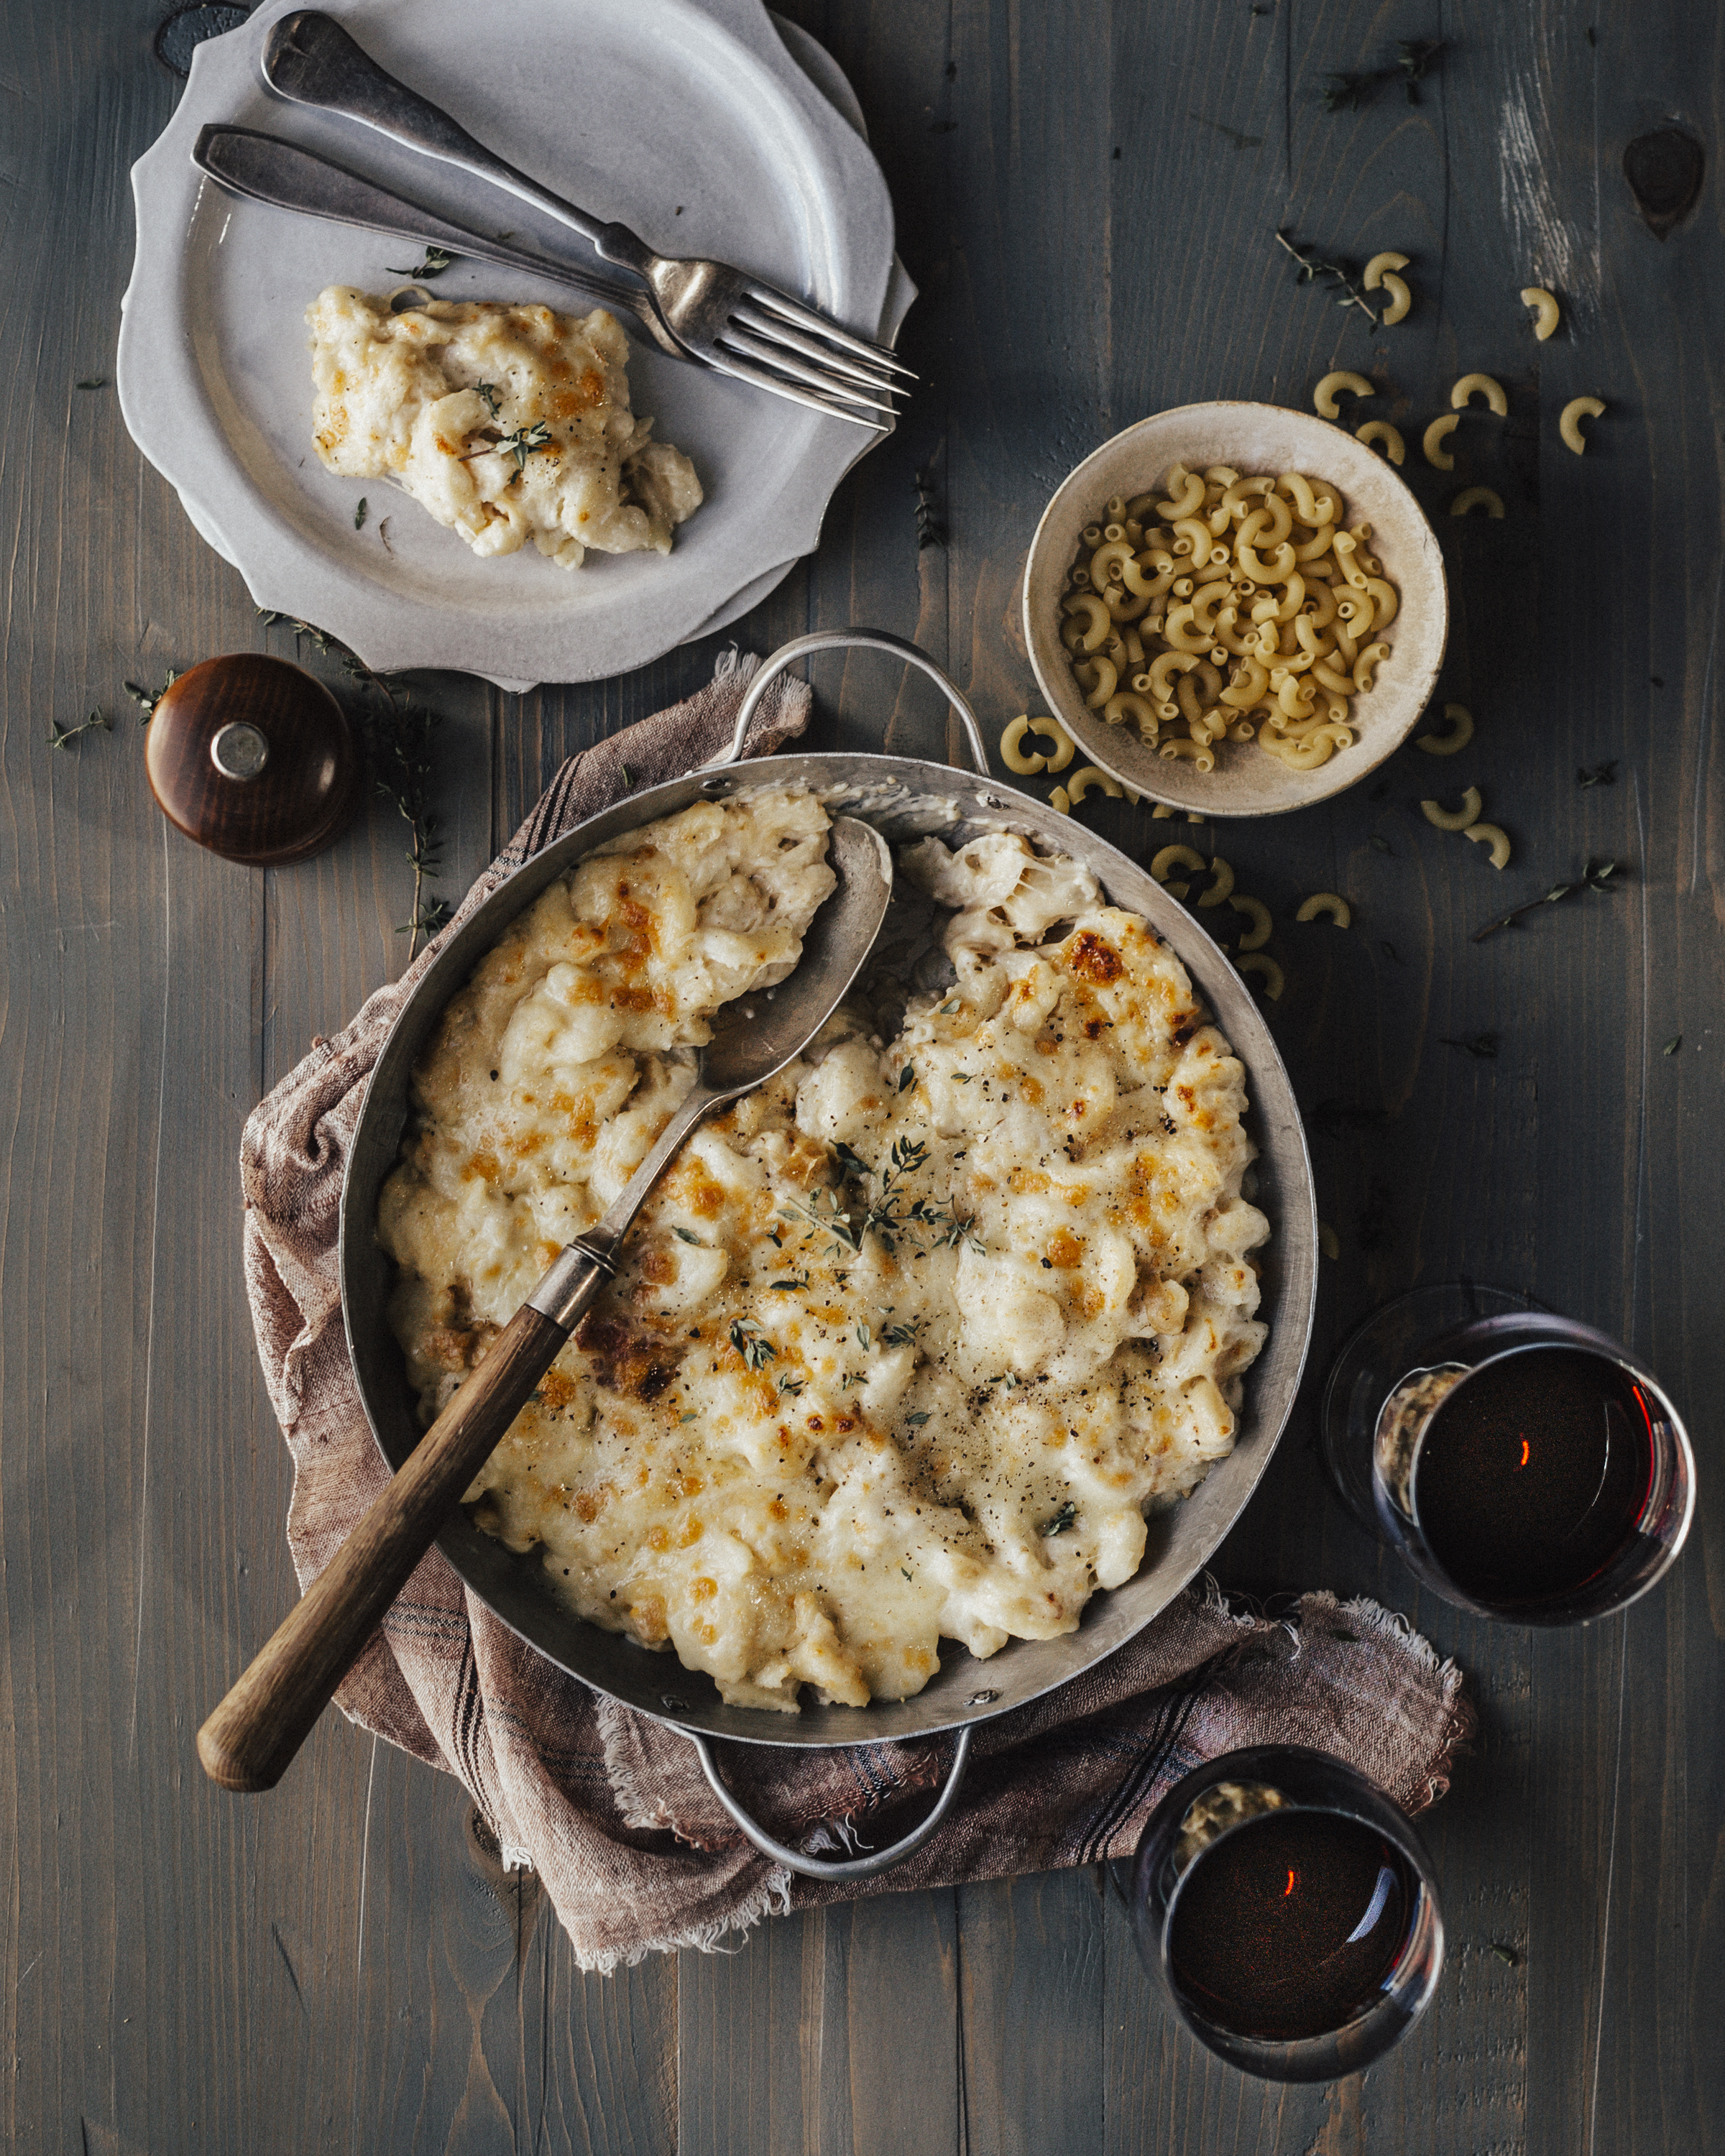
<point x="249" y="1741"/>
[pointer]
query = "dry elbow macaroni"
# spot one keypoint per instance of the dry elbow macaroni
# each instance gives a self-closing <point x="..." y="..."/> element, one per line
<point x="908" y="1342"/>
<point x="1380" y="272"/>
<point x="1249" y="612"/>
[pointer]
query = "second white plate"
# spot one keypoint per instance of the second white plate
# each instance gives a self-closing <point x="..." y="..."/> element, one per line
<point x="689" y="119"/>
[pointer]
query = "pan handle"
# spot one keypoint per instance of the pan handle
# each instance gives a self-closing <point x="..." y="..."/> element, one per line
<point x="837" y="639"/>
<point x="815" y="1867"/>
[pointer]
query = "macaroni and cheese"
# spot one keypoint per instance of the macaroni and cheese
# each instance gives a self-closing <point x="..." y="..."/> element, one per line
<point x="908" y="1342"/>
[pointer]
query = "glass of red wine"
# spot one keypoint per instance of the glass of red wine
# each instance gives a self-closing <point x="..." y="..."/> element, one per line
<point x="1289" y="1909"/>
<point x="1523" y="1466"/>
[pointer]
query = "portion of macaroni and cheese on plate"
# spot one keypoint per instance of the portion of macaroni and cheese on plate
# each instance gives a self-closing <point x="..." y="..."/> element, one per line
<point x="507" y="422"/>
<point x="907" y="1342"/>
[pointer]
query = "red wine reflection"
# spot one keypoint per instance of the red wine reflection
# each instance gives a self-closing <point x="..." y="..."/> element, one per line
<point x="1533" y="1475"/>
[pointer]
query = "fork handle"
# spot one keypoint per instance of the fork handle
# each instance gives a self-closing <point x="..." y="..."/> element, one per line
<point x="310" y="60"/>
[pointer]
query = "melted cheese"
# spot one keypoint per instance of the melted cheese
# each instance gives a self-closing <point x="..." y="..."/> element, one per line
<point x="907" y="1342"/>
<point x="507" y="424"/>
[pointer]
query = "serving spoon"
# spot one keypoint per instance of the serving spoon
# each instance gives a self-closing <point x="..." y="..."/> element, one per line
<point x="253" y="1735"/>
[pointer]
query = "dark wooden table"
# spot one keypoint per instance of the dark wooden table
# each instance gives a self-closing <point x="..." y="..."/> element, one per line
<point x="1088" y="191"/>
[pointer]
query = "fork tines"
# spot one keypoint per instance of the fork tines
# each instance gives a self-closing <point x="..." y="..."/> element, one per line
<point x="781" y="345"/>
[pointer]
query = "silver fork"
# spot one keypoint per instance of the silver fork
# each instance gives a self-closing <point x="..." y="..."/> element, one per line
<point x="718" y="315"/>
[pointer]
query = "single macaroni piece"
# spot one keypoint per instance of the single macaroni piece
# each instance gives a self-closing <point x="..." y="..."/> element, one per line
<point x="1328" y="1241"/>
<point x="1437" y="435"/>
<point x="909" y="1342"/>
<point x="1324" y="396"/>
<point x="505" y="423"/>
<point x="1460" y="735"/>
<point x="1223" y="886"/>
<point x="1060" y="802"/>
<point x="1380" y="273"/>
<point x="1545" y="309"/>
<point x="1012" y="754"/>
<point x="1454" y="819"/>
<point x="1081" y="782"/>
<point x="1249" y="619"/>
<point x="1258" y="914"/>
<point x="1380" y="430"/>
<point x="1265" y="968"/>
<point x="1471" y="386"/>
<point x="1177" y="857"/>
<point x="1477" y="497"/>
<point x="1494" y="836"/>
<point x="1064" y="749"/>
<point x="1323" y="904"/>
<point x="1570" y="422"/>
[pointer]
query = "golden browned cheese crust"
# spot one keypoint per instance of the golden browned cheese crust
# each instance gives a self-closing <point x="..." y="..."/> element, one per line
<point x="907" y="1342"/>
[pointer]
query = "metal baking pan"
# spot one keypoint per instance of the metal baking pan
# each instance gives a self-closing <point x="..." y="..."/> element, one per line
<point x="904" y="799"/>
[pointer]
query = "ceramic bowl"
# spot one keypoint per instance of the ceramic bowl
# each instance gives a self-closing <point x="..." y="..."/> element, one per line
<point x="1252" y="438"/>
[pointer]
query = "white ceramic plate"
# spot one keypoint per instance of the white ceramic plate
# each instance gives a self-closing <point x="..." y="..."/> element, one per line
<point x="689" y="118"/>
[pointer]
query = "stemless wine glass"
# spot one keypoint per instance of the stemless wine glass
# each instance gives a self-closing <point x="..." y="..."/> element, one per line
<point x="1525" y="1467"/>
<point x="1289" y="1909"/>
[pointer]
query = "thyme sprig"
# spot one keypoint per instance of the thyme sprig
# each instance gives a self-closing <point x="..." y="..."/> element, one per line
<point x="396" y="735"/>
<point x="931" y="524"/>
<point x="756" y="1349"/>
<point x="1339" y="276"/>
<point x="1483" y="1046"/>
<point x="146" y="699"/>
<point x="1597" y="875"/>
<point x="59" y="736"/>
<point x="522" y="441"/>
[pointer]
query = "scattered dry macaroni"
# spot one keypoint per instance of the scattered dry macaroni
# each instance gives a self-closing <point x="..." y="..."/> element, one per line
<point x="506" y="423"/>
<point x="1494" y="836"/>
<point x="1012" y="754"/>
<point x="1380" y="273"/>
<point x="1064" y="748"/>
<point x="1258" y="914"/>
<point x="1251" y="612"/>
<point x="909" y="1341"/>
<point x="1460" y="735"/>
<point x="1437" y="435"/>
<point x="1545" y="309"/>
<point x="1477" y="497"/>
<point x="1326" y="903"/>
<point x="1479" y="385"/>
<point x="1380" y="430"/>
<point x="1454" y="819"/>
<point x="1324" y="398"/>
<point x="1569" y="423"/>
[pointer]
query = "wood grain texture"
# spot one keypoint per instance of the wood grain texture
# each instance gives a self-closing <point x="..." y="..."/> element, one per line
<point x="337" y="1968"/>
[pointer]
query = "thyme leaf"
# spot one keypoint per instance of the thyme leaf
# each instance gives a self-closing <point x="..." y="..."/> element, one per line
<point x="1066" y="1518"/>
<point x="359" y="514"/>
<point x="683" y="1234"/>
<point x="1598" y="774"/>
<point x="437" y="260"/>
<point x="756" y="1349"/>
<point x="1483" y="1045"/>
<point x="1671" y="1047"/>
<point x="146" y="699"/>
<point x="522" y="441"/>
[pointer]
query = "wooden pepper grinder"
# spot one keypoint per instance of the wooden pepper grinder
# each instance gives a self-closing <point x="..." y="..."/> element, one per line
<point x="252" y="757"/>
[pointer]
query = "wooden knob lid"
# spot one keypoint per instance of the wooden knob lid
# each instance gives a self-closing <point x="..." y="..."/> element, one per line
<point x="252" y="757"/>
